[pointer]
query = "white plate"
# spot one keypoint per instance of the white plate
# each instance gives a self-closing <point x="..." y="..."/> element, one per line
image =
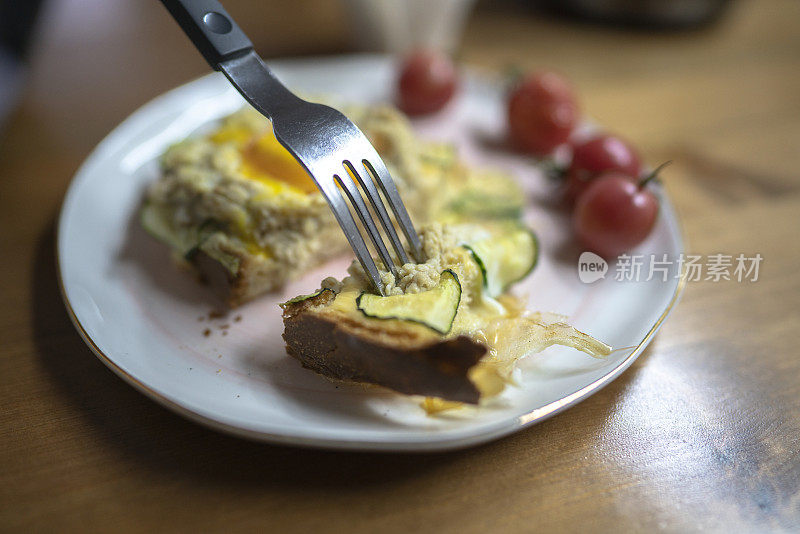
<point x="140" y="315"/>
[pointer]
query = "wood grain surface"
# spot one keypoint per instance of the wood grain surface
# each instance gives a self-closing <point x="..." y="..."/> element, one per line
<point x="702" y="433"/>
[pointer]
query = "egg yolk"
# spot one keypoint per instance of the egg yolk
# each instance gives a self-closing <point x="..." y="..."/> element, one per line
<point x="265" y="160"/>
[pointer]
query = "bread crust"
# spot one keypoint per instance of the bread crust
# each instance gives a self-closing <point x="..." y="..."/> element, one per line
<point x="346" y="349"/>
<point x="254" y="276"/>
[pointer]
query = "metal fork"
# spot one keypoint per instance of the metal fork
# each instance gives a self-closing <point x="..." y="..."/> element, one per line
<point x="329" y="146"/>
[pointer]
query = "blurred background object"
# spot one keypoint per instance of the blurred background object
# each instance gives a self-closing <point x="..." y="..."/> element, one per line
<point x="127" y="35"/>
<point x="397" y="26"/>
<point x="664" y="14"/>
<point x="17" y="22"/>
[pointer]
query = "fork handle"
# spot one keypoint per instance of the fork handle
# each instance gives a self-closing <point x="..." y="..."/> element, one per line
<point x="210" y="28"/>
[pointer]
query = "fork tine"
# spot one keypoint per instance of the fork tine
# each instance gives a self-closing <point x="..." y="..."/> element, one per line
<point x="384" y="179"/>
<point x="361" y="209"/>
<point x="375" y="200"/>
<point x="354" y="237"/>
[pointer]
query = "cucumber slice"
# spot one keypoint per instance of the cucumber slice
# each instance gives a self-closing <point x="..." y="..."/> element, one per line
<point x="301" y="298"/>
<point x="488" y="196"/>
<point x="435" y="308"/>
<point x="474" y="205"/>
<point x="208" y="228"/>
<point x="439" y="154"/>
<point x="155" y="223"/>
<point x="214" y="247"/>
<point x="505" y="260"/>
<point x="186" y="242"/>
<point x="189" y="242"/>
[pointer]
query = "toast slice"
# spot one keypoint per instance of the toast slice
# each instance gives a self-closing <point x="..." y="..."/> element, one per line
<point x="448" y="328"/>
<point x="235" y="206"/>
<point x="395" y="356"/>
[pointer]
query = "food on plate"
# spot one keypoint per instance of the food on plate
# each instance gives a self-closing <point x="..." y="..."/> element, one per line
<point x="235" y="205"/>
<point x="613" y="208"/>
<point x="596" y="155"/>
<point x="608" y="218"/>
<point x="427" y="81"/>
<point x="615" y="213"/>
<point x="447" y="329"/>
<point x="542" y="112"/>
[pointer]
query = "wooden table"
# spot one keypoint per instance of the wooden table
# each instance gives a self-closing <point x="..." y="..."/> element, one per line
<point x="703" y="432"/>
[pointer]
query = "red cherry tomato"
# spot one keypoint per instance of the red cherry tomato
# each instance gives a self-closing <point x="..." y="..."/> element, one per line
<point x="614" y="214"/>
<point x="427" y="82"/>
<point x="542" y="112"/>
<point x="597" y="155"/>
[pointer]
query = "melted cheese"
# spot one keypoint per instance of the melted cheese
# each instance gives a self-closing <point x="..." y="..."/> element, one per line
<point x="442" y="247"/>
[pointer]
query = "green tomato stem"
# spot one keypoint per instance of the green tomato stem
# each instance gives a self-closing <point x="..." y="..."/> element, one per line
<point x="653" y="175"/>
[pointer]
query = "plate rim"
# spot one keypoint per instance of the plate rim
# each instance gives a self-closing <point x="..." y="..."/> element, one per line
<point x="436" y="444"/>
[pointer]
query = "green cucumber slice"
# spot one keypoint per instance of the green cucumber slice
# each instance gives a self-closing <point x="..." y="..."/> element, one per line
<point x="186" y="242"/>
<point x="488" y="196"/>
<point x="505" y="260"/>
<point x="440" y="154"/>
<point x="156" y="223"/>
<point x="213" y="247"/>
<point x="474" y="205"/>
<point x="435" y="308"/>
<point x="301" y="298"/>
<point x="208" y="228"/>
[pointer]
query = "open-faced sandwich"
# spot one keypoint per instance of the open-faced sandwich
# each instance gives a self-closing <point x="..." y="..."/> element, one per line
<point x="447" y="329"/>
<point x="236" y="206"/>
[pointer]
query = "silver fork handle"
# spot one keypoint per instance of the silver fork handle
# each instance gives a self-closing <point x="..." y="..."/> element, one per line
<point x="259" y="86"/>
<point x="212" y="31"/>
<point x="226" y="48"/>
